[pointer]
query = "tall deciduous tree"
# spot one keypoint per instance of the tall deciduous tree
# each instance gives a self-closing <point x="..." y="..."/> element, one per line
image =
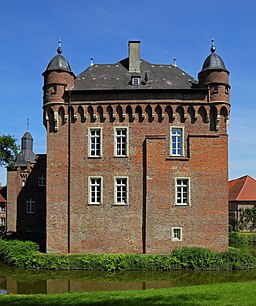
<point x="8" y="149"/>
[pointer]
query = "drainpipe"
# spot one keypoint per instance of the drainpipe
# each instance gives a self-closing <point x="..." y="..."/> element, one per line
<point x="69" y="152"/>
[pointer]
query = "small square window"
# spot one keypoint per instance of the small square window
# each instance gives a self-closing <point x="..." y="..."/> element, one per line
<point x="2" y="208"/>
<point x="176" y="234"/>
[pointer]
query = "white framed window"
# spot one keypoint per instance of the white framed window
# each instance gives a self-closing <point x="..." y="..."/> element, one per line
<point x="182" y="191"/>
<point x="95" y="142"/>
<point x="121" y="190"/>
<point x="2" y="222"/>
<point x="41" y="180"/>
<point x="176" y="233"/>
<point x="30" y="206"/>
<point x="2" y="208"/>
<point x="136" y="81"/>
<point x="121" y="141"/>
<point x="95" y="190"/>
<point x="177" y="141"/>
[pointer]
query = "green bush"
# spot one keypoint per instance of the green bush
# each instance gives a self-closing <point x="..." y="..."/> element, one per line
<point x="25" y="254"/>
<point x="236" y="239"/>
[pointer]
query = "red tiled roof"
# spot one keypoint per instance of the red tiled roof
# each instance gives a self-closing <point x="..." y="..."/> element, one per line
<point x="2" y="194"/>
<point x="242" y="189"/>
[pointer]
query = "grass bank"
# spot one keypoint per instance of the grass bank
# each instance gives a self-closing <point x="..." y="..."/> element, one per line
<point x="220" y="294"/>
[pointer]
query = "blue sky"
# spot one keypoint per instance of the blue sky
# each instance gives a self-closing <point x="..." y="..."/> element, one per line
<point x="29" y="32"/>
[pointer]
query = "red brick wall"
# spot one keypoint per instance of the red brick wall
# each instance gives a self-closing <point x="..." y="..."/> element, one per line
<point x="119" y="229"/>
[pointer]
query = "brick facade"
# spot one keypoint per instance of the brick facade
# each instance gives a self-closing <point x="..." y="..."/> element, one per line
<point x="146" y="222"/>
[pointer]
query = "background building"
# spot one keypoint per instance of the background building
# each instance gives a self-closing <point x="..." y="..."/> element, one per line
<point x="3" y="208"/>
<point x="26" y="193"/>
<point x="242" y="195"/>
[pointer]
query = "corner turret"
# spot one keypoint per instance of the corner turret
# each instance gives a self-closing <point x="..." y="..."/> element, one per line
<point x="58" y="76"/>
<point x="215" y="77"/>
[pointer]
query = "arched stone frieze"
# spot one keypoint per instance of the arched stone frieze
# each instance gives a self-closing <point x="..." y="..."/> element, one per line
<point x="148" y="111"/>
<point x="169" y="111"/>
<point x="181" y="113"/>
<point x="159" y="113"/>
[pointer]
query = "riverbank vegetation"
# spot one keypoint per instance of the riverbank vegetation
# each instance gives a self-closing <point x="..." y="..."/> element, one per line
<point x="237" y="239"/>
<point x="26" y="254"/>
<point x="218" y="294"/>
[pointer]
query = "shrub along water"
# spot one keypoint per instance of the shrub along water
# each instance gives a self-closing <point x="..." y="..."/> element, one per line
<point x="236" y="239"/>
<point x="25" y="254"/>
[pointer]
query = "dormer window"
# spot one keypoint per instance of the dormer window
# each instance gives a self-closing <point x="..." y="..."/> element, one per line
<point x="136" y="81"/>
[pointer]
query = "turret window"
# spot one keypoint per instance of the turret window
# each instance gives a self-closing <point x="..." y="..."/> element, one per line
<point x="215" y="88"/>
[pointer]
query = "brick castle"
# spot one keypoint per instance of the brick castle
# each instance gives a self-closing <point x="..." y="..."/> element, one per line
<point x="137" y="158"/>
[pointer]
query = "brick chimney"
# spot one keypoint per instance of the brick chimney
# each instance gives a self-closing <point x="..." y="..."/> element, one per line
<point x="134" y="56"/>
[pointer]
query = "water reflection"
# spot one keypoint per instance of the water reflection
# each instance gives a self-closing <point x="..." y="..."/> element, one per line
<point x="26" y="281"/>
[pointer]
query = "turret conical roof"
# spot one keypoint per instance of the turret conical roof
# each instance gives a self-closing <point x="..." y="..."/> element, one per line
<point x="213" y="61"/>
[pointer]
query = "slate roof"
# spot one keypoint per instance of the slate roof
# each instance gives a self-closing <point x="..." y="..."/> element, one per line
<point x="242" y="189"/>
<point x="117" y="77"/>
<point x="58" y="62"/>
<point x="213" y="62"/>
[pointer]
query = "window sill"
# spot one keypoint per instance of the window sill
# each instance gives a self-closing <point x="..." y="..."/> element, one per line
<point x="117" y="204"/>
<point x="121" y="156"/>
<point x="181" y="205"/>
<point x="95" y="204"/>
<point x="177" y="158"/>
<point x="94" y="157"/>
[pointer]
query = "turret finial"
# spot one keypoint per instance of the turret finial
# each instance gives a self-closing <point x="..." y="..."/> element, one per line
<point x="59" y="50"/>
<point x="212" y="47"/>
<point x="27" y="124"/>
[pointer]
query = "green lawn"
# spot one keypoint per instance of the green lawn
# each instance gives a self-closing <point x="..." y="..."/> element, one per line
<point x="214" y="295"/>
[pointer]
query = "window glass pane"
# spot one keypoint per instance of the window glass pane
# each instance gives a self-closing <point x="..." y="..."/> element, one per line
<point x="176" y="137"/>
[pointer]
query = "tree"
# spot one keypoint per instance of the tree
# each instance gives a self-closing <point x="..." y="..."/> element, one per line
<point x="8" y="149"/>
<point x="247" y="219"/>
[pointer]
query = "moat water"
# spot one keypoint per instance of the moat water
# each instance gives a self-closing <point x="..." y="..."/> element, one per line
<point x="29" y="281"/>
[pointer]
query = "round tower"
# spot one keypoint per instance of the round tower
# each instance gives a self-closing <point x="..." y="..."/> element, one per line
<point x="215" y="76"/>
<point x="58" y="76"/>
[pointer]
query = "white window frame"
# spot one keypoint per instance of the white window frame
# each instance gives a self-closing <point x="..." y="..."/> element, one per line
<point x="116" y="202"/>
<point x="174" y="234"/>
<point x="124" y="128"/>
<point x="3" y="221"/>
<point x="174" y="152"/>
<point x="30" y="206"/>
<point x="135" y="80"/>
<point x="2" y="208"/>
<point x="41" y="180"/>
<point x="90" y="154"/>
<point x="183" y="203"/>
<point x="90" y="191"/>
